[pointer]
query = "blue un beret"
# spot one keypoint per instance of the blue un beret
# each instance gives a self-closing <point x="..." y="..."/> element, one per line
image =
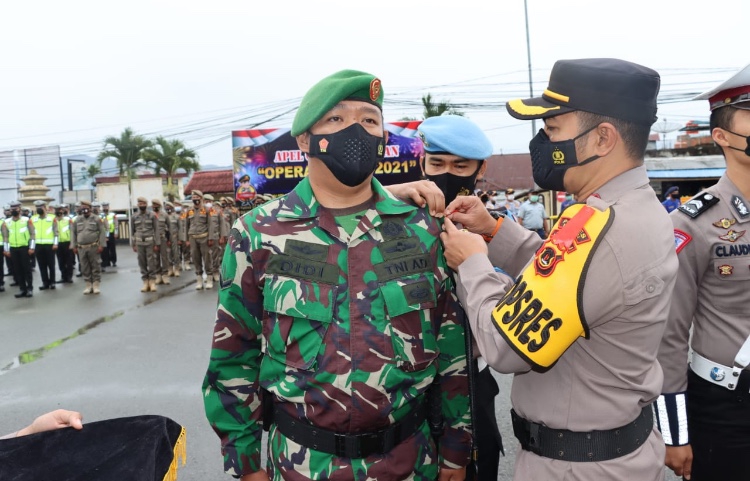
<point x="456" y="135"/>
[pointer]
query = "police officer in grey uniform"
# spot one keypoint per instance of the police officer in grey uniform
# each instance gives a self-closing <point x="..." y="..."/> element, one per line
<point x="145" y="241"/>
<point x="88" y="237"/>
<point x="578" y="317"/>
<point x="162" y="257"/>
<point x="704" y="412"/>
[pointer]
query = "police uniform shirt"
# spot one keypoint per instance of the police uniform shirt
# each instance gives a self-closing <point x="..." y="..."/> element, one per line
<point x="598" y="383"/>
<point x="713" y="284"/>
<point x="88" y="230"/>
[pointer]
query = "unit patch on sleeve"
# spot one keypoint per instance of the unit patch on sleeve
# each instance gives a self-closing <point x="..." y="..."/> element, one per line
<point x="681" y="239"/>
<point x="698" y="204"/>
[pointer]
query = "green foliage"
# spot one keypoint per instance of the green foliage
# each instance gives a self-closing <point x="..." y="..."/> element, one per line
<point x="169" y="156"/>
<point x="127" y="149"/>
<point x="436" y="109"/>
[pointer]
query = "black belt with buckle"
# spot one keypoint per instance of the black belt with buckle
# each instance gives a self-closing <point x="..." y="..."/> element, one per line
<point x="349" y="445"/>
<point x="578" y="446"/>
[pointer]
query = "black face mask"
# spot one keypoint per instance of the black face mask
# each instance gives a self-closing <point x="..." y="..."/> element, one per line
<point x="40" y="211"/>
<point x="142" y="208"/>
<point x="196" y="202"/>
<point x="455" y="185"/>
<point x="550" y="160"/>
<point x="15" y="212"/>
<point x="59" y="213"/>
<point x="351" y="154"/>
<point x="675" y="196"/>
<point x="747" y="139"/>
<point x="156" y="209"/>
<point x="85" y="212"/>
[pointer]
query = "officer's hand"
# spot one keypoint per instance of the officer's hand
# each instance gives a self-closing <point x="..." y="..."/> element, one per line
<point x="452" y="474"/>
<point x="31" y="252"/>
<point x="210" y="243"/>
<point x="421" y="192"/>
<point x="54" y="248"/>
<point x="53" y="420"/>
<point x="75" y="250"/>
<point x="470" y="212"/>
<point x="680" y="460"/>
<point x="6" y="253"/>
<point x="187" y="243"/>
<point x="460" y="244"/>
<point x="99" y="249"/>
<point x="180" y="242"/>
<point x="259" y="476"/>
<point x="222" y="241"/>
<point x="156" y="248"/>
<point x="135" y="249"/>
<point x="169" y="243"/>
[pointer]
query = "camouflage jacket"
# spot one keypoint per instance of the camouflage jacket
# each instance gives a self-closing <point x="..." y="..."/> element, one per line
<point x="346" y="332"/>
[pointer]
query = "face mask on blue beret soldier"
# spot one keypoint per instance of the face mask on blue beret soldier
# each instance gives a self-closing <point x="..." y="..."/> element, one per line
<point x="550" y="160"/>
<point x="454" y="185"/>
<point x="351" y="154"/>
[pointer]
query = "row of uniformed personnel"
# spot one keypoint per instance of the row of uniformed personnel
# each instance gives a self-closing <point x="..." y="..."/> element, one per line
<point x="162" y="239"/>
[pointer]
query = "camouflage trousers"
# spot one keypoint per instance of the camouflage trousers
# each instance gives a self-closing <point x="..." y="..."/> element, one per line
<point x="415" y="459"/>
<point x="91" y="268"/>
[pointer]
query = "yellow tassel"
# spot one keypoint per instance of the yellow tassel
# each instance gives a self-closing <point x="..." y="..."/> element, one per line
<point x="180" y="451"/>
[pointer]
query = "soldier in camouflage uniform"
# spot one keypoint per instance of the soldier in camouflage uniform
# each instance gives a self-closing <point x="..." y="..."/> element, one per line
<point x="337" y="305"/>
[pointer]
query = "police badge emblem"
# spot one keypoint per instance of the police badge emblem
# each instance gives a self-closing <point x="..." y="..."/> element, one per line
<point x="724" y="223"/>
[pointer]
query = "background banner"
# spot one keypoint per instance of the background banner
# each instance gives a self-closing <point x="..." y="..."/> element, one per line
<point x="267" y="162"/>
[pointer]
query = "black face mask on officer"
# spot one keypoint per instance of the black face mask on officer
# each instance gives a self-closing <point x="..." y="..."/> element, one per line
<point x="58" y="213"/>
<point x="351" y="154"/>
<point x="85" y="212"/>
<point x="550" y="160"/>
<point x="196" y="202"/>
<point x="15" y="212"/>
<point x="142" y="208"/>
<point x="40" y="210"/>
<point x="747" y="139"/>
<point x="454" y="185"/>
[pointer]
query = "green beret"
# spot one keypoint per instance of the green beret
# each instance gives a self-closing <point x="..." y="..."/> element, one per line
<point x="324" y="95"/>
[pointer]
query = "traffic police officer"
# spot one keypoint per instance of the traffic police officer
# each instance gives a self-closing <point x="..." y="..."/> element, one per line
<point x="145" y="241"/>
<point x="109" y="255"/>
<point x="47" y="238"/>
<point x="64" y="254"/>
<point x="704" y="412"/>
<point x="580" y="326"/>
<point x="202" y="232"/>
<point x="88" y="235"/>
<point x="162" y="256"/>
<point x="19" y="240"/>
<point x="337" y="301"/>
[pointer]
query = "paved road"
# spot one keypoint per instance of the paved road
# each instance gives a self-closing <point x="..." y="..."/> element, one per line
<point x="146" y="355"/>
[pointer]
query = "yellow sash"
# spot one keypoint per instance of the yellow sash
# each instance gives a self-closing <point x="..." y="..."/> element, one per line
<point x="537" y="316"/>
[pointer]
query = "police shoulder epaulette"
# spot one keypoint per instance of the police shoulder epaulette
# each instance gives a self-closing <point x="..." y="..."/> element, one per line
<point x="698" y="204"/>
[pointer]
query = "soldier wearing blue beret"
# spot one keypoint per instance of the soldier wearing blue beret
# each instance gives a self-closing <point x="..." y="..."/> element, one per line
<point x="455" y="151"/>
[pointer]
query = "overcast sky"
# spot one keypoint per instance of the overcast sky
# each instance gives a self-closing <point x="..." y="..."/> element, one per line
<point x="76" y="71"/>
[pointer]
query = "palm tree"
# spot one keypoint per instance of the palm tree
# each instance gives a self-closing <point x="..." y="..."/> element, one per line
<point x="93" y="170"/>
<point x="437" y="109"/>
<point x="169" y="156"/>
<point x="127" y="149"/>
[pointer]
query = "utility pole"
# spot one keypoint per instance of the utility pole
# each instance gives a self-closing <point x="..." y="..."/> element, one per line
<point x="528" y="55"/>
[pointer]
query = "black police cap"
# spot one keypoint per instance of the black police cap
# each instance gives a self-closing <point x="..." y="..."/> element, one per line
<point x="604" y="86"/>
